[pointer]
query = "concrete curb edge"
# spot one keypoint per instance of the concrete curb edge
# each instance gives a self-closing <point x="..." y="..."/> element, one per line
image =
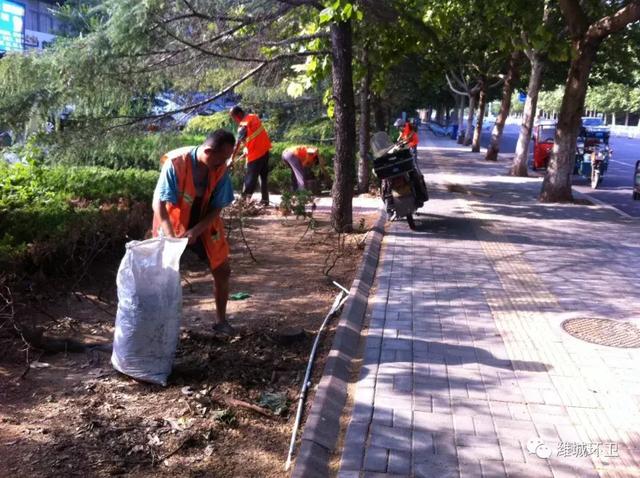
<point x="322" y="427"/>
<point x="589" y="197"/>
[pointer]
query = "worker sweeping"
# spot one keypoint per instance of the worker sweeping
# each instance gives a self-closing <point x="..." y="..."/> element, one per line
<point x="301" y="159"/>
<point x="255" y="140"/>
<point x="193" y="188"/>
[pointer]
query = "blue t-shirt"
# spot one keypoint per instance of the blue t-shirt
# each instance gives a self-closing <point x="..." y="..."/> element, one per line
<point x="167" y="187"/>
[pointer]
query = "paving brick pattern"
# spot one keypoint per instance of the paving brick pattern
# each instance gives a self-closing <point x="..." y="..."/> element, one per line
<point x="465" y="361"/>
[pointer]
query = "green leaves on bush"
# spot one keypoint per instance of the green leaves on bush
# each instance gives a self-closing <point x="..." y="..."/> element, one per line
<point x="203" y="125"/>
<point x="296" y="203"/>
<point x="51" y="217"/>
<point x="320" y="130"/>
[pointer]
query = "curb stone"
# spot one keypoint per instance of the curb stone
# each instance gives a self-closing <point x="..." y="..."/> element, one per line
<point x="323" y="423"/>
<point x="589" y="197"/>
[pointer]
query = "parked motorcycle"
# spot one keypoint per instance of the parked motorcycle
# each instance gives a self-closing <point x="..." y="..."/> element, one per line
<point x="403" y="189"/>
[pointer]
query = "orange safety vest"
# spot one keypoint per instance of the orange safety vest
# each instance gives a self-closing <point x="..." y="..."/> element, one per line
<point x="257" y="142"/>
<point x="410" y="135"/>
<point x="308" y="155"/>
<point x="215" y="243"/>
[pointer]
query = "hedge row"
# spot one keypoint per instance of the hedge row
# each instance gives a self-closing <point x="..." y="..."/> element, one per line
<point x="54" y="218"/>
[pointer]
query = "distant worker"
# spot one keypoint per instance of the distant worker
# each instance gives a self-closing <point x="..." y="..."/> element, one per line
<point x="255" y="140"/>
<point x="410" y="136"/>
<point x="300" y="159"/>
<point x="193" y="188"/>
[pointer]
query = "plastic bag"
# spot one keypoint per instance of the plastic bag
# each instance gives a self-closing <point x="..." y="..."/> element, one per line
<point x="149" y="309"/>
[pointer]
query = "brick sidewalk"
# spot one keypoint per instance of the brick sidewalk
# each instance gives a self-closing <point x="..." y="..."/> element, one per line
<point x="465" y="362"/>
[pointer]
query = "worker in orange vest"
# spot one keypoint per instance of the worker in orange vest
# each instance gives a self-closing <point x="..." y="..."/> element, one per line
<point x="256" y="142"/>
<point x="410" y="136"/>
<point x="193" y="188"/>
<point x="300" y="159"/>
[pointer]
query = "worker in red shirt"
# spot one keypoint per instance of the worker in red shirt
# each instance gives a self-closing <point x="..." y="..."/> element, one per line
<point x="410" y="136"/>
<point x="255" y="140"/>
<point x="300" y="159"/>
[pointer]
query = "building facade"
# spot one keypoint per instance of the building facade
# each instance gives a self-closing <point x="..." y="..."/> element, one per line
<point x="40" y="25"/>
<point x="26" y="24"/>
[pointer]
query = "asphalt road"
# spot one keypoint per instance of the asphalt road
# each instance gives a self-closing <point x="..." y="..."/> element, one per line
<point x="617" y="183"/>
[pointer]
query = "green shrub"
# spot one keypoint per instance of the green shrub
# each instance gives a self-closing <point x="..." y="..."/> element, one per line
<point x="203" y="125"/>
<point x="317" y="131"/>
<point x="53" y="218"/>
<point x="296" y="203"/>
<point x="141" y="150"/>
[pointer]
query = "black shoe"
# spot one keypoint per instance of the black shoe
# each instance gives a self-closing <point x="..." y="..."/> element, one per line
<point x="224" y="328"/>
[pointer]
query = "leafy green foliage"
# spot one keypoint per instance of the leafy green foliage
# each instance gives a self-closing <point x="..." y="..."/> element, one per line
<point x="203" y="125"/>
<point x="609" y="98"/>
<point x="135" y="149"/>
<point x="318" y="130"/>
<point x="296" y="203"/>
<point x="54" y="217"/>
<point x="550" y="101"/>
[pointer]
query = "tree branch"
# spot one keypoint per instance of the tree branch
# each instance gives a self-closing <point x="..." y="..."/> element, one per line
<point x="302" y="3"/>
<point x="193" y="106"/>
<point x="204" y="16"/>
<point x="614" y="23"/>
<point x="296" y="39"/>
<point x="575" y="17"/>
<point x="528" y="49"/>
<point x="198" y="47"/>
<point x="499" y="82"/>
<point x="455" y="90"/>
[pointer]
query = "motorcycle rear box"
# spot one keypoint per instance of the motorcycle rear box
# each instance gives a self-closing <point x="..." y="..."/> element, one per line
<point x="391" y="165"/>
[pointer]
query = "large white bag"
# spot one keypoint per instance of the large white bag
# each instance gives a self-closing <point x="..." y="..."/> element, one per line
<point x="149" y="309"/>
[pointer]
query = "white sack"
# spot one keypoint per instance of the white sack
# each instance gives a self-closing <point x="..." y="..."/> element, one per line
<point x="149" y="309"/>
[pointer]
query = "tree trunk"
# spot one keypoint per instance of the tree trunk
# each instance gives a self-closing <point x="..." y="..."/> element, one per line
<point x="472" y="111"/>
<point x="556" y="186"/>
<point x="626" y="119"/>
<point x="613" y="119"/>
<point x="378" y="114"/>
<point x="521" y="157"/>
<point x="505" y="107"/>
<point x="345" y="124"/>
<point x="460" y="100"/>
<point x="365" y="125"/>
<point x="482" y="106"/>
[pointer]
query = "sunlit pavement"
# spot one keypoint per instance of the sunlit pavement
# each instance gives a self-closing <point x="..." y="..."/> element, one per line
<point x="467" y="370"/>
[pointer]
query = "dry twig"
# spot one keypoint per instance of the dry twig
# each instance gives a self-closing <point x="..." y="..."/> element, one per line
<point x="234" y="402"/>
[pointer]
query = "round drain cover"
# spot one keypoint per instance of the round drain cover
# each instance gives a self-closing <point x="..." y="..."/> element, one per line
<point x="604" y="332"/>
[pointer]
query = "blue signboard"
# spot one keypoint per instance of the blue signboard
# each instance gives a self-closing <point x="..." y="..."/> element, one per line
<point x="11" y="26"/>
<point x="522" y="97"/>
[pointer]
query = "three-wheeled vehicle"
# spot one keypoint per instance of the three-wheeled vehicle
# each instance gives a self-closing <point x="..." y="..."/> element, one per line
<point x="592" y="156"/>
<point x="592" y="163"/>
<point x="636" y="181"/>
<point x="544" y="135"/>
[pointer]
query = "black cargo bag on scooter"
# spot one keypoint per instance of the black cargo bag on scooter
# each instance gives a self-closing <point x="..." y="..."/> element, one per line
<point x="393" y="164"/>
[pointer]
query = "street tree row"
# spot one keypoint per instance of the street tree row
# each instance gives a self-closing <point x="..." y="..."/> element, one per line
<point x="367" y="59"/>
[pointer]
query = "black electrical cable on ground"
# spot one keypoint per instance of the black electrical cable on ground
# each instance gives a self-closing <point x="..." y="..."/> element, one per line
<point x="306" y="383"/>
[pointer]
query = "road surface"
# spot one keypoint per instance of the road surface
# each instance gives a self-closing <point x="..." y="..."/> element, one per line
<point x="617" y="183"/>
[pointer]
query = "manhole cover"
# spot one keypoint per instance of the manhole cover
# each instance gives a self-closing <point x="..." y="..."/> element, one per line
<point x="604" y="332"/>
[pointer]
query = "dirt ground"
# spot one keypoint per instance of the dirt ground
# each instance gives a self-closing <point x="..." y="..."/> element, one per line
<point x="71" y="414"/>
